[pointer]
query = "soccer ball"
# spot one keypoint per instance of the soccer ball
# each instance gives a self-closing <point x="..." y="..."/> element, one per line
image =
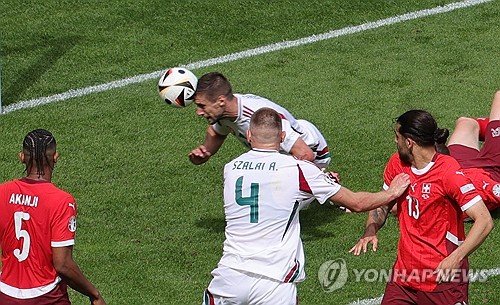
<point x="177" y="86"/>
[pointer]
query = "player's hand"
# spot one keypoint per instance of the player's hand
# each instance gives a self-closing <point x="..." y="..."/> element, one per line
<point x="362" y="245"/>
<point x="334" y="176"/>
<point x="399" y="184"/>
<point x="98" y="301"/>
<point x="199" y="155"/>
<point x="447" y="269"/>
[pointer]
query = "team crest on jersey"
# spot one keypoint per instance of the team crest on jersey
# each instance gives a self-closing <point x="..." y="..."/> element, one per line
<point x="72" y="224"/>
<point x="426" y="190"/>
<point x="496" y="190"/>
<point x="495" y="132"/>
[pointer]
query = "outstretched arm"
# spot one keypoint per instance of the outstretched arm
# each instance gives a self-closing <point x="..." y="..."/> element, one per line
<point x="365" y="201"/>
<point x="213" y="141"/>
<point x="376" y="220"/>
<point x="69" y="271"/>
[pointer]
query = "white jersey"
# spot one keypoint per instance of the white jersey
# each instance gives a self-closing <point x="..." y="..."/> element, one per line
<point x="263" y="192"/>
<point x="249" y="103"/>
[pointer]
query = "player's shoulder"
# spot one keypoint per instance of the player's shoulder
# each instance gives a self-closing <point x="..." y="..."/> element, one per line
<point x="447" y="161"/>
<point x="255" y="102"/>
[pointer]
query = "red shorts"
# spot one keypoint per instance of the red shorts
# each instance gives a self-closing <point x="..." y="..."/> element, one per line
<point x="396" y="294"/>
<point x="58" y="296"/>
<point x="488" y="158"/>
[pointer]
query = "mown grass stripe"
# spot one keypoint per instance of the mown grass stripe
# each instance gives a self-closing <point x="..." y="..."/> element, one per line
<point x="244" y="54"/>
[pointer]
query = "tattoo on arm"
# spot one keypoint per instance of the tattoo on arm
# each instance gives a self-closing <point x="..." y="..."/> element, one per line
<point x="379" y="215"/>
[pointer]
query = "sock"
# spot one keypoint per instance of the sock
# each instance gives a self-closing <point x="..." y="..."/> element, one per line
<point x="483" y="122"/>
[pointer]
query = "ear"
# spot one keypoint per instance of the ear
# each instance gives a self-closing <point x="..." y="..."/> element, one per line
<point x="249" y="136"/>
<point x="283" y="136"/>
<point x="21" y="157"/>
<point x="56" y="156"/>
<point x="221" y="100"/>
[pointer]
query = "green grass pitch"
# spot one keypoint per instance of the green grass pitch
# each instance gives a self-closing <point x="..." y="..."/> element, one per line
<point x="151" y="224"/>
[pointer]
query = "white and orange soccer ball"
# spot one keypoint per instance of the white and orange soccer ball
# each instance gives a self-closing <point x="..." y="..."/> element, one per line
<point x="177" y="87"/>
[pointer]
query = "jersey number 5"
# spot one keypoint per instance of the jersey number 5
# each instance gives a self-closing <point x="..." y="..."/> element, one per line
<point x="252" y="201"/>
<point x="20" y="233"/>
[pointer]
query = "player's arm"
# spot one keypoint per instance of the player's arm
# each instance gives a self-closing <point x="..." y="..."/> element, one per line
<point x="301" y="151"/>
<point x="483" y="224"/>
<point x="365" y="201"/>
<point x="376" y="220"/>
<point x="213" y="141"/>
<point x="69" y="271"/>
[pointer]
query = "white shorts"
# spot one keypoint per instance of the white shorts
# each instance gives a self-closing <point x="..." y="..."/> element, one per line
<point x="233" y="287"/>
<point x="315" y="140"/>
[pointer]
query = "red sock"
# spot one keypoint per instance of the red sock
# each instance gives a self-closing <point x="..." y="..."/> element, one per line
<point x="483" y="122"/>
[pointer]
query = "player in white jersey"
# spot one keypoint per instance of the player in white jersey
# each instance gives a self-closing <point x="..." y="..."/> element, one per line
<point x="263" y="256"/>
<point x="230" y="113"/>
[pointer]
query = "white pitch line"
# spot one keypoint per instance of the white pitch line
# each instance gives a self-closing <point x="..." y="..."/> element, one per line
<point x="378" y="300"/>
<point x="245" y="54"/>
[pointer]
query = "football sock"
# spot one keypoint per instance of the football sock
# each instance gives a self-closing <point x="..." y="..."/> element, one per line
<point x="483" y="122"/>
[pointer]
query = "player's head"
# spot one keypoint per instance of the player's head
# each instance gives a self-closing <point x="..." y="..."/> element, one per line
<point x="417" y="127"/>
<point x="39" y="152"/>
<point x="265" y="129"/>
<point x="212" y="93"/>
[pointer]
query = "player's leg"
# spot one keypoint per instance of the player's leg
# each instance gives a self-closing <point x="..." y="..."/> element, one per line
<point x="228" y="287"/>
<point x="455" y="295"/>
<point x="396" y="294"/>
<point x="495" y="107"/>
<point x="266" y="291"/>
<point x="466" y="133"/>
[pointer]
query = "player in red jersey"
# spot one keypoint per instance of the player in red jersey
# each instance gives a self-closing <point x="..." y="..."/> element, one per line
<point x="37" y="233"/>
<point x="431" y="265"/>
<point x="480" y="163"/>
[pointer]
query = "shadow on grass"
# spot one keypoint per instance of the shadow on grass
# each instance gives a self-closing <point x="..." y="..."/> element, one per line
<point x="53" y="49"/>
<point x="311" y="219"/>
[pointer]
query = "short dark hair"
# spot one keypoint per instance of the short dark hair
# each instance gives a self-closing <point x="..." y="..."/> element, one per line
<point x="214" y="84"/>
<point x="266" y="126"/>
<point x="38" y="144"/>
<point x="266" y="118"/>
<point x="421" y="127"/>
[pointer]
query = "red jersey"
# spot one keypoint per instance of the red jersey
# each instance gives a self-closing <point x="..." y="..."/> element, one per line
<point x="430" y="219"/>
<point x="35" y="217"/>
<point x="488" y="188"/>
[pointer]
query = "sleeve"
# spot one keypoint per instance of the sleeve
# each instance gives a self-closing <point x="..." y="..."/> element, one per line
<point x="291" y="136"/>
<point x="459" y="187"/>
<point x="220" y="129"/>
<point x="63" y="225"/>
<point x="392" y="168"/>
<point x="313" y="182"/>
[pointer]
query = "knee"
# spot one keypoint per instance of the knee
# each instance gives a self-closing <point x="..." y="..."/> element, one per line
<point x="466" y="123"/>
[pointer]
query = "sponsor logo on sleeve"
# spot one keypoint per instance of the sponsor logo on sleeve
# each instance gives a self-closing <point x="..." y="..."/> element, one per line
<point x="72" y="224"/>
<point x="467" y="188"/>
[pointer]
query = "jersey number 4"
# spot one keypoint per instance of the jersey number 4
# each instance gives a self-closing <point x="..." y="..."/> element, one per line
<point x="20" y="233"/>
<point x="252" y="200"/>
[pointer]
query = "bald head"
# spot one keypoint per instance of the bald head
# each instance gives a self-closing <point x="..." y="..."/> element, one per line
<point x="265" y="129"/>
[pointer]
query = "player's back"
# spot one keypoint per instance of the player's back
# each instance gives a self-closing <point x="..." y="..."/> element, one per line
<point x="262" y="195"/>
<point x="34" y="217"/>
